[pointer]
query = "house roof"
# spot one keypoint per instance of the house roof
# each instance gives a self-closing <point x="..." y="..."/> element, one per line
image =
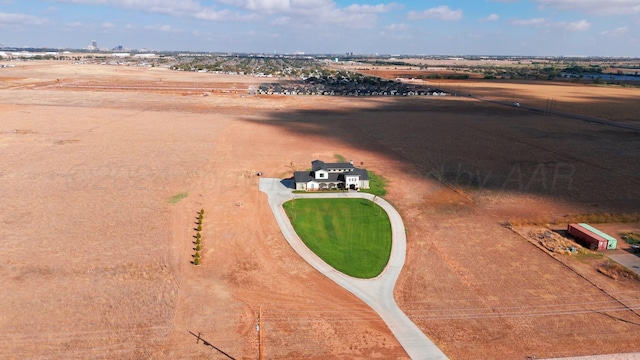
<point x="303" y="176"/>
<point x="306" y="176"/>
<point x="364" y="175"/>
<point x="339" y="166"/>
<point x="318" y="165"/>
<point x="321" y="165"/>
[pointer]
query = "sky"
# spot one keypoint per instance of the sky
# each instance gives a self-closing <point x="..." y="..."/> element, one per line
<point x="363" y="27"/>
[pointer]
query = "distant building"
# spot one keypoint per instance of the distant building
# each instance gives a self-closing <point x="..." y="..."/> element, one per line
<point x="145" y="56"/>
<point x="331" y="176"/>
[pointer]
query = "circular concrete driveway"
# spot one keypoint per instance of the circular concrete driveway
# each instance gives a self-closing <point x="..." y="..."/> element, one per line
<point x="376" y="292"/>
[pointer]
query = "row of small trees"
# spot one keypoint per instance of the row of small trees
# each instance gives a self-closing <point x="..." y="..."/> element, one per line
<point x="198" y="242"/>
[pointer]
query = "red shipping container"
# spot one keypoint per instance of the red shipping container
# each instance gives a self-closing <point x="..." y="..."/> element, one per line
<point x="592" y="240"/>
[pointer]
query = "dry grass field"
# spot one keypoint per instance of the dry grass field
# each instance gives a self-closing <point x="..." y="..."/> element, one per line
<point x="96" y="259"/>
<point x="602" y="101"/>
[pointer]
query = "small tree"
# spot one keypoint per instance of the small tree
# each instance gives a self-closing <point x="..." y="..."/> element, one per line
<point x="198" y="236"/>
<point x="199" y="227"/>
<point x="198" y="247"/>
<point x="201" y="211"/>
<point x="196" y="261"/>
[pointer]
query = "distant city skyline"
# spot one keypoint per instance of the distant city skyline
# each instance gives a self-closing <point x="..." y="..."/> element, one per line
<point x="480" y="27"/>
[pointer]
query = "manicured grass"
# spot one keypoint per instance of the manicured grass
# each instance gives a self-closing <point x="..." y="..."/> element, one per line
<point x="351" y="235"/>
<point x="176" y="198"/>
<point x="376" y="185"/>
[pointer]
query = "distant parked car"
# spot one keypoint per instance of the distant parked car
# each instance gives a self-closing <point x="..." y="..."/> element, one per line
<point x="516" y="104"/>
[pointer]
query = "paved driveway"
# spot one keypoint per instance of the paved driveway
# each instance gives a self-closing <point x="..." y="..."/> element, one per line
<point x="630" y="261"/>
<point x="377" y="292"/>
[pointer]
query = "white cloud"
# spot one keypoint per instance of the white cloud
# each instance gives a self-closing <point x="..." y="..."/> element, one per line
<point x="306" y="12"/>
<point x="180" y="8"/>
<point x="281" y="21"/>
<point x="308" y="7"/>
<point x="348" y="19"/>
<point x="303" y="12"/>
<point x="75" y="24"/>
<point x="268" y="6"/>
<point x="581" y="25"/>
<point x="21" y="19"/>
<point x="615" y="32"/>
<point x="397" y="27"/>
<point x="380" y="8"/>
<point x="162" y="28"/>
<point x="107" y="25"/>
<point x="530" y="22"/>
<point x="598" y="7"/>
<point x="441" y="13"/>
<point x="492" y="17"/>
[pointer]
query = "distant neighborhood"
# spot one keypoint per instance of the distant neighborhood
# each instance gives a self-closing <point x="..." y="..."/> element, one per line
<point x="328" y="69"/>
<point x="345" y="86"/>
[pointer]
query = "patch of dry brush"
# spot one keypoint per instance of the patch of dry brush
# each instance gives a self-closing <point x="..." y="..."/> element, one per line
<point x="615" y="271"/>
<point x="593" y="218"/>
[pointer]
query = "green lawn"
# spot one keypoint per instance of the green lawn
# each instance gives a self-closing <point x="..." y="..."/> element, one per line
<point x="351" y="235"/>
<point x="376" y="185"/>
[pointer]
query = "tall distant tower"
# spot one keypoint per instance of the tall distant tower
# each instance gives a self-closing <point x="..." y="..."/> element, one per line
<point x="94" y="45"/>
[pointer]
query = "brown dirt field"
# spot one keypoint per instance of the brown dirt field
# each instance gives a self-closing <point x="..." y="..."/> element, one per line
<point x="96" y="261"/>
<point x="606" y="102"/>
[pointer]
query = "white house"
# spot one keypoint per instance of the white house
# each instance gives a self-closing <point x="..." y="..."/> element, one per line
<point x="328" y="176"/>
